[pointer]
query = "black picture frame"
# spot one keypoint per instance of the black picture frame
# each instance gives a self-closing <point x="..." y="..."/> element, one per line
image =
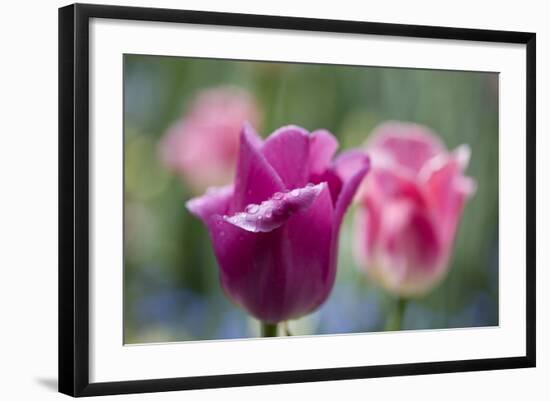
<point x="74" y="198"/>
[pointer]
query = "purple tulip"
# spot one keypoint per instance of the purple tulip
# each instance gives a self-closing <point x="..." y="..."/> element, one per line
<point x="275" y="229"/>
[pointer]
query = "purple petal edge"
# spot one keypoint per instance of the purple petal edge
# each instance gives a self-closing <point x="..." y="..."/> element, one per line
<point x="214" y="201"/>
<point x="348" y="191"/>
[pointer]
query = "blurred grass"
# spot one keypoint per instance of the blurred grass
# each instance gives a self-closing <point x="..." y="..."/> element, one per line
<point x="170" y="274"/>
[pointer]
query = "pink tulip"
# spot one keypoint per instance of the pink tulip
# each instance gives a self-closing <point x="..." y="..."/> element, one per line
<point x="202" y="147"/>
<point x="410" y="206"/>
<point x="275" y="229"/>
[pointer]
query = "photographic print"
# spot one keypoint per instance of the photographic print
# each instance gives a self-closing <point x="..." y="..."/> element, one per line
<point x="239" y="207"/>
<point x="268" y="199"/>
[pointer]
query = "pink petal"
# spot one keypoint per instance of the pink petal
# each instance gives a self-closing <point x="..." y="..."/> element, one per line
<point x="408" y="145"/>
<point x="446" y="191"/>
<point x="225" y="105"/>
<point x="381" y="187"/>
<point x="283" y="273"/>
<point x="202" y="146"/>
<point x="274" y="212"/>
<point x="170" y="146"/>
<point x="409" y="238"/>
<point x="255" y="180"/>
<point x="287" y="150"/>
<point x="388" y="185"/>
<point x="366" y="227"/>
<point x="460" y="158"/>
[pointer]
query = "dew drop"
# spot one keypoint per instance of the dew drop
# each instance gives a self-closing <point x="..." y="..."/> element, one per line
<point x="268" y="215"/>
<point x="278" y="195"/>
<point x="252" y="209"/>
<point x="295" y="192"/>
<point x="259" y="218"/>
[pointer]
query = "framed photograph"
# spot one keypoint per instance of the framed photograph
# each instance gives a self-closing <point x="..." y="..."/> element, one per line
<point x="251" y="199"/>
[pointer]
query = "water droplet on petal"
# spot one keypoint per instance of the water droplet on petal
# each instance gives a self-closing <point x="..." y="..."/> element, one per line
<point x="278" y="195"/>
<point x="268" y="215"/>
<point x="252" y="209"/>
<point x="295" y="192"/>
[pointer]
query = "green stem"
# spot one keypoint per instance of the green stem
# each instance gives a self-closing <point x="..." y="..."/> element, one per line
<point x="395" y="320"/>
<point x="269" y="330"/>
<point x="286" y="328"/>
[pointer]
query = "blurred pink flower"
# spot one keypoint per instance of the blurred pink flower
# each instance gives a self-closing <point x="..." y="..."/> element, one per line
<point x="275" y="229"/>
<point x="203" y="145"/>
<point x="410" y="207"/>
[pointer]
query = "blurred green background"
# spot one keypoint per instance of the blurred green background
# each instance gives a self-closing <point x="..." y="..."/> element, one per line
<point x="171" y="286"/>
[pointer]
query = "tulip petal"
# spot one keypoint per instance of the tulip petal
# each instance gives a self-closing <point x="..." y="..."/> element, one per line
<point x="380" y="188"/>
<point x="361" y="164"/>
<point x="348" y="163"/>
<point x="287" y="150"/>
<point x="333" y="181"/>
<point x="275" y="211"/>
<point x="409" y="236"/>
<point x="409" y="243"/>
<point x="215" y="201"/>
<point x="459" y="158"/>
<point x="322" y="146"/>
<point x="349" y="188"/>
<point x="366" y="227"/>
<point x="446" y="191"/>
<point x="310" y="236"/>
<point x="388" y="185"/>
<point x="409" y="145"/>
<point x="255" y="180"/>
<point x="281" y="274"/>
